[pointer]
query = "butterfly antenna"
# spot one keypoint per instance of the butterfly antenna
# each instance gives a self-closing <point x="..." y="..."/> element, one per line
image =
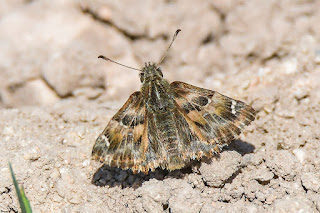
<point x="108" y="59"/>
<point x="165" y="53"/>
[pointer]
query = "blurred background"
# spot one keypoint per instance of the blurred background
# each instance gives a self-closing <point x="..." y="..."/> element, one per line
<point x="49" y="49"/>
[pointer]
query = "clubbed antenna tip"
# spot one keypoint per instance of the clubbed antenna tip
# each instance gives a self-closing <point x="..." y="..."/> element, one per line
<point x="108" y="59"/>
<point x="173" y="38"/>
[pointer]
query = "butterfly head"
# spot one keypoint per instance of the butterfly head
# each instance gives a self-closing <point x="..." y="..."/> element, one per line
<point x="150" y="72"/>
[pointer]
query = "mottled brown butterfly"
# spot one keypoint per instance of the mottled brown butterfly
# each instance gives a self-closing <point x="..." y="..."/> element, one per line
<point x="166" y="125"/>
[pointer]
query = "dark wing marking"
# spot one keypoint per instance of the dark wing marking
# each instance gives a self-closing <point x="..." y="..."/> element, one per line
<point x="122" y="142"/>
<point x="219" y="118"/>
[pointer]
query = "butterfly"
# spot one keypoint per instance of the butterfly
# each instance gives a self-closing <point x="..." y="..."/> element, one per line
<point x="167" y="125"/>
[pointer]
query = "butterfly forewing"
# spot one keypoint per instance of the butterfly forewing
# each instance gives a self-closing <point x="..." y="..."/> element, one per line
<point x="121" y="143"/>
<point x="219" y="118"/>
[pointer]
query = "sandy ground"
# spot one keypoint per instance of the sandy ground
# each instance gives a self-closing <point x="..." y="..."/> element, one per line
<point x="56" y="97"/>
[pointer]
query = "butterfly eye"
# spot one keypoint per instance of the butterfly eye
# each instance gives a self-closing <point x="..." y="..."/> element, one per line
<point x="141" y="75"/>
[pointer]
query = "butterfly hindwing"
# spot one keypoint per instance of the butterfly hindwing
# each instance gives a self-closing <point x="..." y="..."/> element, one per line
<point x="219" y="118"/>
<point x="194" y="142"/>
<point x="121" y="143"/>
<point x="174" y="140"/>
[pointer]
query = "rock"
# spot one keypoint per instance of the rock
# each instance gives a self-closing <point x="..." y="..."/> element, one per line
<point x="262" y="174"/>
<point x="154" y="195"/>
<point x="72" y="138"/>
<point x="300" y="155"/>
<point x="284" y="164"/>
<point x="32" y="154"/>
<point x="184" y="198"/>
<point x="292" y="204"/>
<point x="23" y="63"/>
<point x="220" y="170"/>
<point x="65" y="56"/>
<point x="33" y="92"/>
<point x="241" y="207"/>
<point x="311" y="181"/>
<point x="76" y="65"/>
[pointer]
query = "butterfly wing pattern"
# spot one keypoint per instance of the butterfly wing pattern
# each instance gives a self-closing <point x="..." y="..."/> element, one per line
<point x="122" y="141"/>
<point x="219" y="118"/>
<point x="166" y="125"/>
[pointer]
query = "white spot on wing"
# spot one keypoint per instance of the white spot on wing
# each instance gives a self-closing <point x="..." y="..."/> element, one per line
<point x="103" y="137"/>
<point x="233" y="107"/>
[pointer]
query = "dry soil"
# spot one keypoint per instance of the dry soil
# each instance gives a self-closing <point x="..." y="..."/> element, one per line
<point x="56" y="97"/>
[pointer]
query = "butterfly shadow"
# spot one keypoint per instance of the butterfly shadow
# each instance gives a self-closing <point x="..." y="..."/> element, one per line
<point x="113" y="177"/>
<point x="240" y="146"/>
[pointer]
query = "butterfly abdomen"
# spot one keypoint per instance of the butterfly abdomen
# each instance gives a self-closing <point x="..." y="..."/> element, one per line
<point x="168" y="138"/>
<point x="162" y="131"/>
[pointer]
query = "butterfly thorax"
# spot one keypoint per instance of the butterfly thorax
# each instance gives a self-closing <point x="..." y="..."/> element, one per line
<point x="155" y="89"/>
